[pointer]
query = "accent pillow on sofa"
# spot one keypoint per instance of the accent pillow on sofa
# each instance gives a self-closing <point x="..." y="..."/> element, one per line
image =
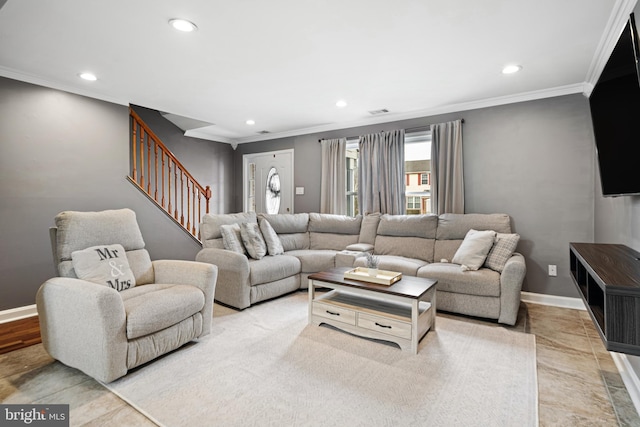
<point x="105" y="265"/>
<point x="274" y="245"/>
<point x="231" y="238"/>
<point x="501" y="251"/>
<point x="253" y="240"/>
<point x="474" y="249"/>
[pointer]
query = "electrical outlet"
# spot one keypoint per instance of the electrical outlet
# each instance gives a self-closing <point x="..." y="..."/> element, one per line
<point x="553" y="270"/>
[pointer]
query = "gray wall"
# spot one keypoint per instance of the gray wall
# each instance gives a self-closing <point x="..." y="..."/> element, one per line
<point x="532" y="160"/>
<point x="60" y="151"/>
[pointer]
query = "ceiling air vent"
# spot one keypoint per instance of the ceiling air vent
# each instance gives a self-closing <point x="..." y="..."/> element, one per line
<point x="376" y="112"/>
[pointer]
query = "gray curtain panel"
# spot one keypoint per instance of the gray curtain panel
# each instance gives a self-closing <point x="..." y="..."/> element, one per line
<point x="447" y="178"/>
<point x="333" y="185"/>
<point x="381" y="181"/>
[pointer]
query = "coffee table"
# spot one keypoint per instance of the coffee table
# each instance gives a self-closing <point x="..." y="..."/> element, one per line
<point x="401" y="313"/>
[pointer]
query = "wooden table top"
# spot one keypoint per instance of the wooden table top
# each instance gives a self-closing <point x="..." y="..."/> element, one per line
<point x="408" y="286"/>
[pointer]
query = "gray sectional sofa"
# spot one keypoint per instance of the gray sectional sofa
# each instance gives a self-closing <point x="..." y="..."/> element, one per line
<point x="416" y="245"/>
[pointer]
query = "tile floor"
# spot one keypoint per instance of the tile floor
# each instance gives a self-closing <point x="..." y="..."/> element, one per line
<point x="578" y="382"/>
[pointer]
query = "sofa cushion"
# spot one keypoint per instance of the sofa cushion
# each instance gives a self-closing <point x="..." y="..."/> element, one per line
<point x="409" y="247"/>
<point x="423" y="226"/>
<point x="253" y="241"/>
<point x="106" y="265"/>
<point x="474" y="249"/>
<point x="332" y="241"/>
<point x="369" y="228"/>
<point x="274" y="245"/>
<point x="451" y="278"/>
<point x="272" y="268"/>
<point x="210" y="227"/>
<point x="501" y="251"/>
<point x="408" y="266"/>
<point x="232" y="238"/>
<point x="313" y="261"/>
<point x="337" y="224"/>
<point x="151" y="308"/>
<point x="291" y="229"/>
<point x="456" y="226"/>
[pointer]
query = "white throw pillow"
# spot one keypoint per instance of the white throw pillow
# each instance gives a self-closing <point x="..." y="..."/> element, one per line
<point x="253" y="240"/>
<point x="501" y="251"/>
<point x="231" y="238"/>
<point x="105" y="265"/>
<point x="474" y="249"/>
<point x="274" y="245"/>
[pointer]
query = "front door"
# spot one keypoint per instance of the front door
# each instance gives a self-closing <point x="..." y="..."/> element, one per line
<point x="268" y="182"/>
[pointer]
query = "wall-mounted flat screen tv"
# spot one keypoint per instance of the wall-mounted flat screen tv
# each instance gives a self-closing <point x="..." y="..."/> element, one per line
<point x="615" y="113"/>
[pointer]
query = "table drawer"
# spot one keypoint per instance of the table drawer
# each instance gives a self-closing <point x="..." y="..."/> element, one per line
<point x="334" y="312"/>
<point x="384" y="325"/>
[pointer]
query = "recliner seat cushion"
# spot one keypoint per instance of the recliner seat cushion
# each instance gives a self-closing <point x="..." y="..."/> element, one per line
<point x="272" y="268"/>
<point x="451" y="278"/>
<point x="151" y="308"/>
<point x="312" y="261"/>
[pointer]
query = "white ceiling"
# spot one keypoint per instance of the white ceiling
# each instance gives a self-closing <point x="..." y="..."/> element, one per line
<point x="285" y="63"/>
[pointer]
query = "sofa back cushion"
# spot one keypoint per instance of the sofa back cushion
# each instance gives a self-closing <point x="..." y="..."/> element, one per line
<point x="210" y="232"/>
<point x="292" y="229"/>
<point x="335" y="232"/>
<point x="411" y="236"/>
<point x="369" y="228"/>
<point x="452" y="228"/>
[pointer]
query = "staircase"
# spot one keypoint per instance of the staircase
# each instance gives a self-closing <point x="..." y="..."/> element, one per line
<point x="164" y="180"/>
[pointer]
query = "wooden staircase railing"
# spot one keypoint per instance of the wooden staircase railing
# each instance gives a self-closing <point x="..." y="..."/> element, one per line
<point x="159" y="175"/>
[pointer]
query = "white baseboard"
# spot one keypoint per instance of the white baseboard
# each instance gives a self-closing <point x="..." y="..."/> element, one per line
<point x="629" y="377"/>
<point x="553" y="300"/>
<point x="18" y="313"/>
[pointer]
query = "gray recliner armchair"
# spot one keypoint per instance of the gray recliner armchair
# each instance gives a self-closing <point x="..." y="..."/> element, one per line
<point x="107" y="327"/>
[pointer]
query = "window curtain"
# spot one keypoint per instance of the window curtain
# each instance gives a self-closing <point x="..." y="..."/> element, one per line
<point x="333" y="185"/>
<point x="381" y="181"/>
<point x="447" y="178"/>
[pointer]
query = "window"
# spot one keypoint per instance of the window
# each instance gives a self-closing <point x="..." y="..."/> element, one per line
<point x="417" y="153"/>
<point x="352" y="177"/>
<point x="417" y="162"/>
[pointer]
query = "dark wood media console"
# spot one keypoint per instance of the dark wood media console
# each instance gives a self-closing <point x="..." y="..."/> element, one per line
<point x="608" y="279"/>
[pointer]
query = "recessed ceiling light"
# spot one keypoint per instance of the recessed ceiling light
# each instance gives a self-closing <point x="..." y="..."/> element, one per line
<point x="250" y="122"/>
<point x="341" y="103"/>
<point x="510" y="69"/>
<point x="183" y="25"/>
<point x="88" y="76"/>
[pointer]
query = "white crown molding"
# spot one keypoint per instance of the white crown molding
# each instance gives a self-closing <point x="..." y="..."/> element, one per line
<point x="386" y="118"/>
<point x="452" y="108"/>
<point x="37" y="80"/>
<point x="14" y="314"/>
<point x="617" y="20"/>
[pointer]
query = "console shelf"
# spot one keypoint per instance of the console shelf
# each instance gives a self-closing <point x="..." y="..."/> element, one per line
<point x="608" y="279"/>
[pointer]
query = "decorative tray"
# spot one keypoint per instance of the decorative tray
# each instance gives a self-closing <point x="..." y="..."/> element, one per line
<point x="383" y="277"/>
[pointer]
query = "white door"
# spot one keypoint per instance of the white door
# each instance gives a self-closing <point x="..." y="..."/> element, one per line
<point x="268" y="182"/>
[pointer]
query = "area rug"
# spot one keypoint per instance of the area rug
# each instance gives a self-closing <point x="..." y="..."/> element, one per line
<point x="265" y="366"/>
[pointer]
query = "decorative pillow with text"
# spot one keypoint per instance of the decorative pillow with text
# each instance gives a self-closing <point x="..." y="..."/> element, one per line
<point x="105" y="265"/>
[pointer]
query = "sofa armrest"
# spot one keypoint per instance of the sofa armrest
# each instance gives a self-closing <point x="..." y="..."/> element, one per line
<point x="83" y="325"/>
<point x="510" y="286"/>
<point x="233" y="286"/>
<point x="198" y="274"/>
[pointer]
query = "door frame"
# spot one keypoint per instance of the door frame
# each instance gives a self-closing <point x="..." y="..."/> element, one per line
<point x="246" y="159"/>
